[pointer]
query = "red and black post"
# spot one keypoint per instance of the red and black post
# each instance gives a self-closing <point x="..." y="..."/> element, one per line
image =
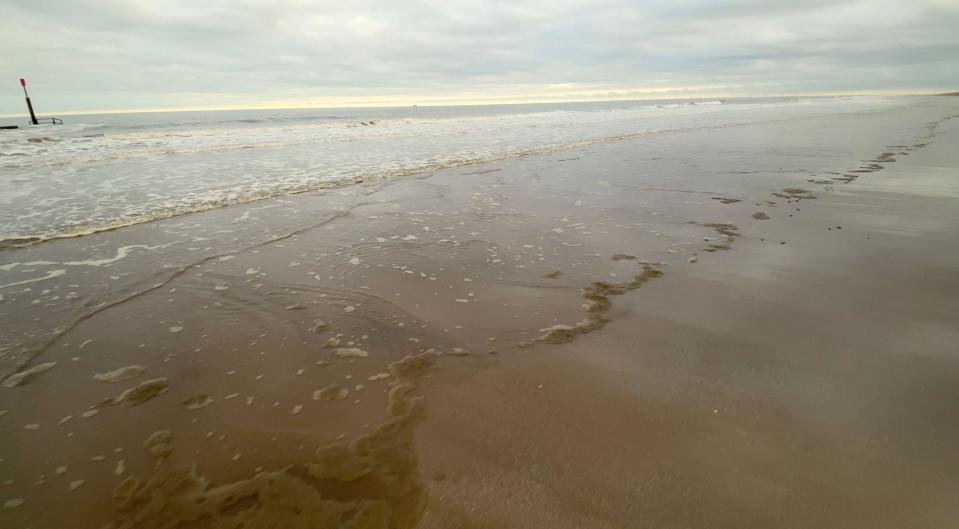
<point x="33" y="117"/>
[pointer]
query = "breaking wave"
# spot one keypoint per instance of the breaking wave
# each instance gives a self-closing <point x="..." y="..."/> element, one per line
<point x="79" y="179"/>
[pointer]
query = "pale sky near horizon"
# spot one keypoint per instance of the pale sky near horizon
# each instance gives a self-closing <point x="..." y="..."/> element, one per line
<point x="107" y="55"/>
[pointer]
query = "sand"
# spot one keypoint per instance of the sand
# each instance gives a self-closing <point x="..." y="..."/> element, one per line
<point x="601" y="337"/>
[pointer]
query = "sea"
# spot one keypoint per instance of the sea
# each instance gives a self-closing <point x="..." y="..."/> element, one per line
<point x="103" y="171"/>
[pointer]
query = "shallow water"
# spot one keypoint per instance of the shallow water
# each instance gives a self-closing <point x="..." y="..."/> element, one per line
<point x="104" y="171"/>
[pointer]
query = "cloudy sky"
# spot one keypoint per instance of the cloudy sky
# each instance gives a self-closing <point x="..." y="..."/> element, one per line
<point x="152" y="54"/>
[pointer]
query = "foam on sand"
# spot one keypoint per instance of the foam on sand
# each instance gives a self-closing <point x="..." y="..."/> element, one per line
<point x="412" y="366"/>
<point x="158" y="444"/>
<point x="350" y="352"/>
<point x="25" y="376"/>
<point x="331" y="392"/>
<point x="198" y="401"/>
<point x="139" y="394"/>
<point x="121" y="374"/>
<point x="50" y="275"/>
<point x="13" y="503"/>
<point x="597" y="305"/>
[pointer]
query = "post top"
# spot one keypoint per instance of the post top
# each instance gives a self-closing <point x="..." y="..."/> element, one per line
<point x="23" y="82"/>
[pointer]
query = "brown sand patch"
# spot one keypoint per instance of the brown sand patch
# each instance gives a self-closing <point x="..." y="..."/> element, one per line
<point x="717" y="248"/>
<point x="731" y="231"/>
<point x="369" y="483"/>
<point x="795" y="193"/>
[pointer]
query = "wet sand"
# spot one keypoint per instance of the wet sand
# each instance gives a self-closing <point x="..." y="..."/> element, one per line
<point x="607" y="336"/>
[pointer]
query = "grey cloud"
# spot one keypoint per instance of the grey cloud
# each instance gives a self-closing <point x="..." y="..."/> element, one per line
<point x="111" y="54"/>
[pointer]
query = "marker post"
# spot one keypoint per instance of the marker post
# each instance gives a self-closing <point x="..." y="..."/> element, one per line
<point x="33" y="117"/>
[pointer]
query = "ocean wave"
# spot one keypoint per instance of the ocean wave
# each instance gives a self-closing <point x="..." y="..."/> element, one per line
<point x="132" y="142"/>
<point x="80" y="184"/>
<point x="18" y="240"/>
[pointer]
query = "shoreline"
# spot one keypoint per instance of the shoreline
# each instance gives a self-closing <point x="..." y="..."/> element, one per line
<point x="444" y="269"/>
<point x="93" y="162"/>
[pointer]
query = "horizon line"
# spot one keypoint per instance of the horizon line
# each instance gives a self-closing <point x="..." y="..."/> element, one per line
<point x="506" y="100"/>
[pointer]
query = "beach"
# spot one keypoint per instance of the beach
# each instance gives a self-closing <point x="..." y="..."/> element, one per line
<point x="696" y="316"/>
